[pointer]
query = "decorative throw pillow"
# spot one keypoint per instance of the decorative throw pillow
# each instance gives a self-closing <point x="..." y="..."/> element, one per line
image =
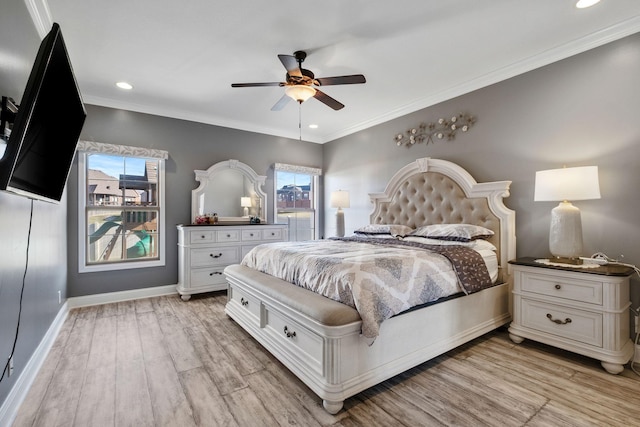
<point x="457" y="232"/>
<point x="391" y="229"/>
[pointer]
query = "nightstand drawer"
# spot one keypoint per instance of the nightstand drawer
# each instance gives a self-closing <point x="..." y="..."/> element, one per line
<point x="577" y="325"/>
<point x="588" y="291"/>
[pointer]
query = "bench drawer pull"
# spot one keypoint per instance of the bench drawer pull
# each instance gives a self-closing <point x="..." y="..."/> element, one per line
<point x="289" y="334"/>
<point x="244" y="302"/>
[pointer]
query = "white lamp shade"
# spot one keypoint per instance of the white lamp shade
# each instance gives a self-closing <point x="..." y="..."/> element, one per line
<point x="245" y="202"/>
<point x="579" y="183"/>
<point x="299" y="93"/>
<point x="340" y="199"/>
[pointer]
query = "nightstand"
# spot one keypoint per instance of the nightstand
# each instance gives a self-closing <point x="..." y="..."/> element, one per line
<point x="583" y="310"/>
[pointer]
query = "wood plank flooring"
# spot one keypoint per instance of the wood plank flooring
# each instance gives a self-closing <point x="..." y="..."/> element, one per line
<point x="164" y="362"/>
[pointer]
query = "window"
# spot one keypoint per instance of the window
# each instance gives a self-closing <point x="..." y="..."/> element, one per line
<point x="121" y="207"/>
<point x="296" y="200"/>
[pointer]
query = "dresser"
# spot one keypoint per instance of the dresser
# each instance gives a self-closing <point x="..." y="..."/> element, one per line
<point x="583" y="310"/>
<point x="205" y="250"/>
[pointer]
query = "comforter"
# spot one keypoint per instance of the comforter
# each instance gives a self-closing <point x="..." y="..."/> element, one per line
<point x="378" y="277"/>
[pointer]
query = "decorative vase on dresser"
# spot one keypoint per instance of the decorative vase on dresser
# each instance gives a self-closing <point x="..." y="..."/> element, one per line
<point x="205" y="250"/>
<point x="583" y="310"/>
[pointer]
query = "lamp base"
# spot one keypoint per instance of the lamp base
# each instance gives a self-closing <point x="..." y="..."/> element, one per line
<point x="340" y="223"/>
<point x="565" y="232"/>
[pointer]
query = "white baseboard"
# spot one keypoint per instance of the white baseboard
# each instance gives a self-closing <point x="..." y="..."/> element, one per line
<point x="9" y="409"/>
<point x="111" y="297"/>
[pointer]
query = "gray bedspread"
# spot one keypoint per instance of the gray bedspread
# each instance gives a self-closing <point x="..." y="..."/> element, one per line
<point x="378" y="277"/>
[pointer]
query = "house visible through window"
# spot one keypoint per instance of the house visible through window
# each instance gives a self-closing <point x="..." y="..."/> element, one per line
<point x="296" y="200"/>
<point x="121" y="210"/>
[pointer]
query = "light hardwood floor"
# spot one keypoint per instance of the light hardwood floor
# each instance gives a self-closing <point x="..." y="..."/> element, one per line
<point x="164" y="362"/>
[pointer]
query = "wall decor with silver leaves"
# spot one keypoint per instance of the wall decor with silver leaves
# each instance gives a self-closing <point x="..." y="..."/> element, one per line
<point x="442" y="129"/>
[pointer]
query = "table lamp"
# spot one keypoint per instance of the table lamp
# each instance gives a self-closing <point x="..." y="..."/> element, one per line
<point x="245" y="202"/>
<point x="340" y="199"/>
<point x="565" y="231"/>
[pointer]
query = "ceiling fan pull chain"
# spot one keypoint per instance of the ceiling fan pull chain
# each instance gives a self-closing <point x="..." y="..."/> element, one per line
<point x="300" y="119"/>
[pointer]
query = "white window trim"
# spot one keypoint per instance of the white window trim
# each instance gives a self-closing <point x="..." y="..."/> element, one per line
<point x="306" y="170"/>
<point x="88" y="147"/>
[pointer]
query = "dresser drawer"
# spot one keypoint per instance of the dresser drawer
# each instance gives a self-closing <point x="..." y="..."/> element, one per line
<point x="251" y="235"/>
<point x="297" y="340"/>
<point x="225" y="236"/>
<point x="273" y="234"/>
<point x="207" y="276"/>
<point x="250" y="304"/>
<point x="587" y="291"/>
<point x="204" y="236"/>
<point x="578" y="325"/>
<point x="215" y="256"/>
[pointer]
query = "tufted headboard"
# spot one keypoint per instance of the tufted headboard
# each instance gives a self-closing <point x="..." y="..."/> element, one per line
<point x="431" y="191"/>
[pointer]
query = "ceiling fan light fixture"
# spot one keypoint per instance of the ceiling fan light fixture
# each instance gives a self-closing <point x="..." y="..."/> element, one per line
<point x="299" y="93"/>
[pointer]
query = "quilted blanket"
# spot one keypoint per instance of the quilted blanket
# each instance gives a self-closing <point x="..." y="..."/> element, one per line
<point x="378" y="277"/>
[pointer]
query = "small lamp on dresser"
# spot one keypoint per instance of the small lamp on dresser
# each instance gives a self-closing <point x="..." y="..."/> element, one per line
<point x="245" y="203"/>
<point x="565" y="231"/>
<point x="340" y="199"/>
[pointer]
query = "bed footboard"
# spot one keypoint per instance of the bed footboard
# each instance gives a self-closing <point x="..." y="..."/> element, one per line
<point x="319" y="339"/>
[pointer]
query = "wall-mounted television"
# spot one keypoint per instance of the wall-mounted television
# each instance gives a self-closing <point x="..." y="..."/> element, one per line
<point x="42" y="142"/>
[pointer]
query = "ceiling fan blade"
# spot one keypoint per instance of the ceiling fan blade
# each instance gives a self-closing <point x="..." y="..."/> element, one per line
<point x="327" y="100"/>
<point x="341" y="80"/>
<point x="291" y="64"/>
<point x="281" y="103"/>
<point x="257" y="84"/>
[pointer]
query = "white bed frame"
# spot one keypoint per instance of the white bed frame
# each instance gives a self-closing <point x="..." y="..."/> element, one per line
<point x="336" y="362"/>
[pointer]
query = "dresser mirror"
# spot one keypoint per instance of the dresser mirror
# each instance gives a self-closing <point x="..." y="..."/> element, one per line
<point x="232" y="190"/>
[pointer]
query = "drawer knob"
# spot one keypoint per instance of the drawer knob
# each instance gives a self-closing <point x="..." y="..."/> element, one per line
<point x="202" y="237"/>
<point x="273" y="234"/>
<point x="215" y="256"/>
<point x="244" y="302"/>
<point x="558" y="321"/>
<point x="558" y="286"/>
<point x="288" y="333"/>
<point x="229" y="236"/>
<point x="215" y="272"/>
<point x="251" y="234"/>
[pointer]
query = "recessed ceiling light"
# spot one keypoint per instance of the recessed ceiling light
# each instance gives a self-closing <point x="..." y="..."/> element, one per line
<point x="581" y="4"/>
<point x="312" y="126"/>
<point x="124" y="85"/>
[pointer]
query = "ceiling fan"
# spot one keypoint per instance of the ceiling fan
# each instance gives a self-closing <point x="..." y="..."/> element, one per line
<point x="300" y="83"/>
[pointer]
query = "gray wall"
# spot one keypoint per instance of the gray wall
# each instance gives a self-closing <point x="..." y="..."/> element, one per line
<point x="191" y="146"/>
<point x="46" y="273"/>
<point x="580" y="111"/>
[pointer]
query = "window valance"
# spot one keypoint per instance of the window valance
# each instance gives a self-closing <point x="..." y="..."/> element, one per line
<point x="297" y="169"/>
<point x="121" y="150"/>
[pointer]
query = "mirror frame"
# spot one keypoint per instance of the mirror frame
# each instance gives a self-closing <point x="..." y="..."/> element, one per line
<point x="207" y="181"/>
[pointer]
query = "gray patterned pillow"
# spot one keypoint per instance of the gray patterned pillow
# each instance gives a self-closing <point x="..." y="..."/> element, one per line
<point x="458" y="232"/>
<point x="378" y="229"/>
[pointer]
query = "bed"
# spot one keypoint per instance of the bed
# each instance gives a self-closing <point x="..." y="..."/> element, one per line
<point x="321" y="340"/>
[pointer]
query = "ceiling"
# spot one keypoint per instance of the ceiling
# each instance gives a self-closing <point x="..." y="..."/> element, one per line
<point x="182" y="56"/>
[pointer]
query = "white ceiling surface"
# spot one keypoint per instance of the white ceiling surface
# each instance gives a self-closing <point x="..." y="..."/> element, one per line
<point x="182" y="56"/>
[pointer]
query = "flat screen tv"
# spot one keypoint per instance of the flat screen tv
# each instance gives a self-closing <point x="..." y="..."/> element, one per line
<point x="40" y="149"/>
